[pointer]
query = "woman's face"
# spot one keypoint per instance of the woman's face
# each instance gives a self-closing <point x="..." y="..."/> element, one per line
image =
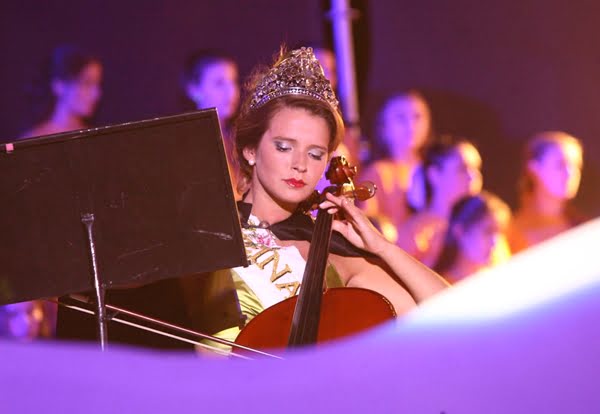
<point x="478" y="242"/>
<point x="404" y="125"/>
<point x="290" y="158"/>
<point x="81" y="95"/>
<point x="558" y="171"/>
<point x="217" y="88"/>
<point x="459" y="174"/>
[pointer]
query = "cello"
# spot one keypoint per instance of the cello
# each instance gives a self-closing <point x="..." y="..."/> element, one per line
<point x="316" y="314"/>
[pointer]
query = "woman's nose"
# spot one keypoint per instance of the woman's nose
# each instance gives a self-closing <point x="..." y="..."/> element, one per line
<point x="299" y="163"/>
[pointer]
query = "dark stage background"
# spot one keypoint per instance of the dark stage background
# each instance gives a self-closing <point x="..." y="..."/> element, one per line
<point x="495" y="71"/>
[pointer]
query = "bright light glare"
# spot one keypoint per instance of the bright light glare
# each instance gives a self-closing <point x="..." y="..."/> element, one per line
<point x="563" y="265"/>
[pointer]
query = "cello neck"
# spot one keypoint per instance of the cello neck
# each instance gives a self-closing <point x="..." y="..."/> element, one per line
<point x="305" y="323"/>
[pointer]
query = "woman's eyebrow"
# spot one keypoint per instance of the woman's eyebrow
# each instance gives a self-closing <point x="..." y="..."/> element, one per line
<point x="282" y="138"/>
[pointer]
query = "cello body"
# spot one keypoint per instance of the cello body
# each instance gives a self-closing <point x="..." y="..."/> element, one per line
<point x="344" y="312"/>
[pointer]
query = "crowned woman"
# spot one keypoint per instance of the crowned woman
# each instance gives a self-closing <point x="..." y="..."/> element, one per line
<point x="289" y="125"/>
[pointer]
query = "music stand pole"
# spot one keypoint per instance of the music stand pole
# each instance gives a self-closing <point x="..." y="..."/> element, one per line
<point x="88" y="221"/>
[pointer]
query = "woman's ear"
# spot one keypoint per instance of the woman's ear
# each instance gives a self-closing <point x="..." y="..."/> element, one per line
<point x="249" y="155"/>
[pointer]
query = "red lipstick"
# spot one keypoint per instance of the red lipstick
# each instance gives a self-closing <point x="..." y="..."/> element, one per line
<point x="292" y="182"/>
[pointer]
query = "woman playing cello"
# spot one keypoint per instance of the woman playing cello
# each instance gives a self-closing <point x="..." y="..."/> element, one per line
<point x="288" y="127"/>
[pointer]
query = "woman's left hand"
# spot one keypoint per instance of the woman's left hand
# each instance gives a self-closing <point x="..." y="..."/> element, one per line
<point x="356" y="227"/>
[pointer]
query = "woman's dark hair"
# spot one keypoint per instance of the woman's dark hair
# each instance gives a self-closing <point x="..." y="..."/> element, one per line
<point x="196" y="64"/>
<point x="466" y="213"/>
<point x="251" y="124"/>
<point x="433" y="155"/>
<point x="66" y="63"/>
<point x="194" y="69"/>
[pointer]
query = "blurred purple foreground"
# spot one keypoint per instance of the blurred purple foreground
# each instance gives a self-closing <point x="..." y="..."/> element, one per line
<point x="523" y="338"/>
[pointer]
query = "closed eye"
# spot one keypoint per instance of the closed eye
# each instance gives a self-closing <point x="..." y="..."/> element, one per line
<point x="282" y="147"/>
<point x="316" y="155"/>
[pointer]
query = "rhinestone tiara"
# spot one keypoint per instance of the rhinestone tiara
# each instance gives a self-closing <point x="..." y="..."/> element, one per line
<point x="299" y="73"/>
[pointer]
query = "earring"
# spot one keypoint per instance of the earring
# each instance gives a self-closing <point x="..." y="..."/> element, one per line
<point x="251" y="162"/>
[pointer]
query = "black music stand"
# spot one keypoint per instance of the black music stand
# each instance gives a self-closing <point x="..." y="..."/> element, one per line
<point x="114" y="207"/>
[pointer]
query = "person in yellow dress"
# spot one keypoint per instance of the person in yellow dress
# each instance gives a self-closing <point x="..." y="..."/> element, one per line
<point x="549" y="182"/>
<point x="403" y="127"/>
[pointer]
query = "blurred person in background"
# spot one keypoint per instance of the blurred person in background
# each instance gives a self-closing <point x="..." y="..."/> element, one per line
<point x="451" y="169"/>
<point x="403" y="127"/>
<point x="475" y="238"/>
<point x="64" y="97"/>
<point x="66" y="92"/>
<point x="23" y="321"/>
<point x="549" y="182"/>
<point x="211" y="80"/>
